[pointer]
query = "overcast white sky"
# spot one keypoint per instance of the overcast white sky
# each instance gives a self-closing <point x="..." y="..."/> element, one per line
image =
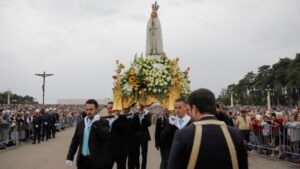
<point x="79" y="41"/>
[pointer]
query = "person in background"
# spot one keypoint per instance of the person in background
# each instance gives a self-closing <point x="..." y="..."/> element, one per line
<point x="144" y="134"/>
<point x="161" y="123"/>
<point x="37" y="125"/>
<point x="45" y="124"/>
<point x="173" y="124"/>
<point x="243" y="124"/>
<point x="222" y="116"/>
<point x="119" y="131"/>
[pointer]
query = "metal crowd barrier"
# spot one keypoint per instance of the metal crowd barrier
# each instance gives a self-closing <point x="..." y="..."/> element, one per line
<point x="282" y="142"/>
<point x="8" y="134"/>
<point x="67" y="122"/>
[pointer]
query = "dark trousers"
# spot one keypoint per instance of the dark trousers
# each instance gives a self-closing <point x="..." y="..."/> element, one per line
<point x="53" y="130"/>
<point x="46" y="132"/>
<point x="246" y="135"/>
<point x="144" y="151"/>
<point x="36" y="134"/>
<point x="28" y="134"/>
<point x="164" y="152"/>
<point x="133" y="156"/>
<point x="120" y="160"/>
<point x="86" y="163"/>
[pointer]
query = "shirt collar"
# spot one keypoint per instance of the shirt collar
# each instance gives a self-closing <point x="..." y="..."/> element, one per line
<point x="206" y="115"/>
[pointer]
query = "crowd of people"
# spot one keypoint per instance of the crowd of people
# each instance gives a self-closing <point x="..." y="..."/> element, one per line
<point x="34" y="123"/>
<point x="121" y="137"/>
<point x="275" y="132"/>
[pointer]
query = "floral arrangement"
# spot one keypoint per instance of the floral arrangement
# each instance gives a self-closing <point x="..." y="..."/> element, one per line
<point x="153" y="76"/>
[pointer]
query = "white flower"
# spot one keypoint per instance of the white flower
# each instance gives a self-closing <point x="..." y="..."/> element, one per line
<point x="165" y="91"/>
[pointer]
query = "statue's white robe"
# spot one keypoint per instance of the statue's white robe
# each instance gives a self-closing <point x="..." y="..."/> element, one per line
<point x="154" y="44"/>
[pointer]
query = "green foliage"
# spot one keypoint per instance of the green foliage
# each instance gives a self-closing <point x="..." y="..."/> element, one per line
<point x="283" y="78"/>
<point x="16" y="99"/>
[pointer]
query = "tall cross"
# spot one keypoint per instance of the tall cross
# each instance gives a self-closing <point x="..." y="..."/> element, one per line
<point x="44" y="75"/>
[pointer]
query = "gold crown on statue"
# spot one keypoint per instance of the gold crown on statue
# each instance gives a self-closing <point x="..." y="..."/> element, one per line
<point x="155" y="6"/>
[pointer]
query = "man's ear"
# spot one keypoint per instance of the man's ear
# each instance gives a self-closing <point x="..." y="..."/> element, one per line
<point x="195" y="109"/>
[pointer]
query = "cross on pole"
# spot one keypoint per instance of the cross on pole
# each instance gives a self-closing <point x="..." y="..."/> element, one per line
<point x="44" y="75"/>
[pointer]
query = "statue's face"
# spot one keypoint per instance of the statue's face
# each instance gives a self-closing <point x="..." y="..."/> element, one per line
<point x="154" y="14"/>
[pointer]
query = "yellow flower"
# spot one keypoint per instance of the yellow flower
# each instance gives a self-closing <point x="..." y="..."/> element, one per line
<point x="135" y="87"/>
<point x="132" y="72"/>
<point x="132" y="79"/>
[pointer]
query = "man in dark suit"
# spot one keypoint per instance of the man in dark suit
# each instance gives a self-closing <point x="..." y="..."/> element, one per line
<point x="46" y="122"/>
<point x="144" y="135"/>
<point x="37" y="124"/>
<point x="173" y="124"/>
<point x="92" y="138"/>
<point x="161" y="123"/>
<point x="216" y="145"/>
<point x="53" y="122"/>
<point x="222" y="116"/>
<point x="134" y="152"/>
<point x="119" y="130"/>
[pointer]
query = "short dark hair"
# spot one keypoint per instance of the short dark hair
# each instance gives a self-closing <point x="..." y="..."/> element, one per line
<point x="204" y="100"/>
<point x="273" y="114"/>
<point x="110" y="103"/>
<point x="181" y="99"/>
<point x="92" y="101"/>
<point x="243" y="111"/>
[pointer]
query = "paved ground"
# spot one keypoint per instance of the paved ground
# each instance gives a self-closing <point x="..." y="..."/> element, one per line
<point x="52" y="154"/>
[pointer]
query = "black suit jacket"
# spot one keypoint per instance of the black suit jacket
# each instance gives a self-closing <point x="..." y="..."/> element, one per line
<point x="167" y="135"/>
<point x="143" y="132"/>
<point x="213" y="153"/>
<point x="119" y="134"/>
<point x="53" y="118"/>
<point x="160" y="126"/>
<point x="135" y="125"/>
<point x="37" y="120"/>
<point x="98" y="143"/>
<point x="139" y="131"/>
<point x="46" y="119"/>
<point x="225" y="118"/>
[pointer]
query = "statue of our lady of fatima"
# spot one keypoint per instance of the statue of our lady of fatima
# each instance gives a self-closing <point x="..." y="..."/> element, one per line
<point x="154" y="44"/>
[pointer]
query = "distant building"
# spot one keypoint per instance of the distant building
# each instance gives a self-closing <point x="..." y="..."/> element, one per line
<point x="81" y="101"/>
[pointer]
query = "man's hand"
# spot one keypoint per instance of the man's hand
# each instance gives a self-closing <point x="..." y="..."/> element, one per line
<point x="172" y="120"/>
<point x="157" y="147"/>
<point x="69" y="163"/>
